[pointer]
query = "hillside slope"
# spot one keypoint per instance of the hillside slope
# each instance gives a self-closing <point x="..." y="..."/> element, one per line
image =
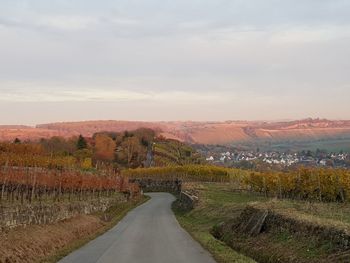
<point x="195" y="132"/>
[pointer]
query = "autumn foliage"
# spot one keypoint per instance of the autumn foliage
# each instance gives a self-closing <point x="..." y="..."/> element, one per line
<point x="203" y="173"/>
<point x="33" y="155"/>
<point x="38" y="184"/>
<point x="305" y="183"/>
<point x="61" y="170"/>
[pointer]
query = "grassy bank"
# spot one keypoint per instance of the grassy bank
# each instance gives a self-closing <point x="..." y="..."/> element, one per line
<point x="220" y="203"/>
<point x="215" y="206"/>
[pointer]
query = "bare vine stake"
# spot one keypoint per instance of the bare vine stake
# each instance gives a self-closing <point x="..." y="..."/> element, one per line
<point x="34" y="182"/>
<point x="280" y="187"/>
<point x="5" y="179"/>
<point x="319" y="186"/>
<point x="298" y="185"/>
<point x="265" y="190"/>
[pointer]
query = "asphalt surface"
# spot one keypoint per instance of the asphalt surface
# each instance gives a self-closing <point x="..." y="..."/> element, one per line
<point x="148" y="234"/>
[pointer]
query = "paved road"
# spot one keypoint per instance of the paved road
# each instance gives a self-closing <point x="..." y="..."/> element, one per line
<point x="148" y="234"/>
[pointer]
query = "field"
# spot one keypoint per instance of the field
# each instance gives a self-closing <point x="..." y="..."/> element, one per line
<point x="330" y="145"/>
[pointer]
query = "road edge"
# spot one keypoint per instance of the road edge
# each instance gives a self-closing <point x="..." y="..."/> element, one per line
<point x="61" y="253"/>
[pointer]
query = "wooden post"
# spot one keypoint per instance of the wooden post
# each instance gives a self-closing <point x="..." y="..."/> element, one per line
<point x="319" y="187"/>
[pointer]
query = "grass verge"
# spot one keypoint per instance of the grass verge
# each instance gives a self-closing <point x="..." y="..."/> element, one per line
<point x="215" y="206"/>
<point x="220" y="203"/>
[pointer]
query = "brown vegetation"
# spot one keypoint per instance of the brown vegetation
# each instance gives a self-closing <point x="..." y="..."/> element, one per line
<point x="33" y="243"/>
<point x="29" y="185"/>
<point x="48" y="243"/>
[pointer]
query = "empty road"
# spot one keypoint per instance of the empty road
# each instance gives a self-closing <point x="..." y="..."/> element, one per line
<point x="148" y="234"/>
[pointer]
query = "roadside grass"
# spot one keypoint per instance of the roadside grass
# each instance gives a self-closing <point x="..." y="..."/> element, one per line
<point x="216" y="205"/>
<point x="200" y="231"/>
<point x="111" y="217"/>
<point x="307" y="248"/>
<point x="219" y="203"/>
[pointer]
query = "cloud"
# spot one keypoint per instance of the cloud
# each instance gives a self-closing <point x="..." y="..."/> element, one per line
<point x="47" y="92"/>
<point x="52" y="22"/>
<point x="221" y="55"/>
<point x="64" y="22"/>
<point x="309" y="34"/>
<point x="25" y="92"/>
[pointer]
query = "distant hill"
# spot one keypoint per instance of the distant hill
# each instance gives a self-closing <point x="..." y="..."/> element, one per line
<point x="196" y="132"/>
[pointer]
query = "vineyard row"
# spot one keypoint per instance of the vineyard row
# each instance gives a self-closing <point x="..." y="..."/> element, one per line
<point x="305" y="183"/>
<point x="28" y="185"/>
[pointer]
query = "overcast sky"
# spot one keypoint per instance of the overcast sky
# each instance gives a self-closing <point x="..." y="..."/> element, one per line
<point x="63" y="60"/>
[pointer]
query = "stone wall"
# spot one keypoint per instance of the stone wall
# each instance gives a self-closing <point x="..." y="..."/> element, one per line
<point x="187" y="201"/>
<point x="150" y="185"/>
<point x="22" y="215"/>
<point x="253" y="221"/>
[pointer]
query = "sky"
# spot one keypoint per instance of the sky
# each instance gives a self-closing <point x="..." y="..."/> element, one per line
<point x="64" y="60"/>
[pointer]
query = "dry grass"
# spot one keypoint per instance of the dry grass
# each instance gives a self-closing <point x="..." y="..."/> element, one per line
<point x="49" y="243"/>
<point x="336" y="215"/>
